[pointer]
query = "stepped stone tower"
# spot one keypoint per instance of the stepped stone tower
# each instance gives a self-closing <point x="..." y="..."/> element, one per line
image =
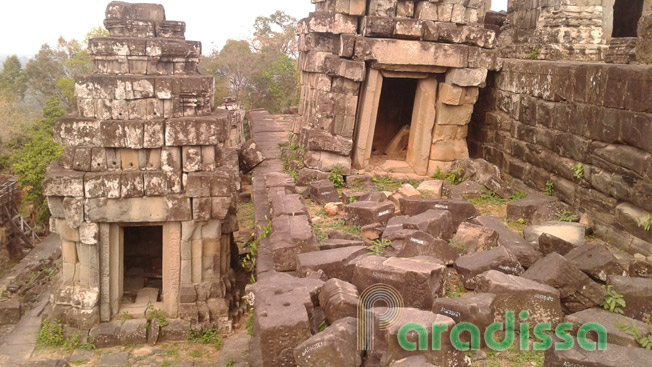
<point x="144" y="196"/>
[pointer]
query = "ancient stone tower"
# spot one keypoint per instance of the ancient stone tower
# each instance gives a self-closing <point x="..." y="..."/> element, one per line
<point x="144" y="195"/>
<point x="391" y="78"/>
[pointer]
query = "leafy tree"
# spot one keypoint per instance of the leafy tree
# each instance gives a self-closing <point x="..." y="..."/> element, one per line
<point x="12" y="78"/>
<point x="13" y="122"/>
<point x="282" y="79"/>
<point x="276" y="34"/>
<point x="51" y="72"/>
<point x="31" y="161"/>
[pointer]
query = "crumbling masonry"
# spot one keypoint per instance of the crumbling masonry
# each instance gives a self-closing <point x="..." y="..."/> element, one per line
<point x="145" y="193"/>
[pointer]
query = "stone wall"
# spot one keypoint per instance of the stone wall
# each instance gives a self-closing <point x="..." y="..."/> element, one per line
<point x="145" y="147"/>
<point x="346" y="50"/>
<point x="538" y="120"/>
<point x="565" y="30"/>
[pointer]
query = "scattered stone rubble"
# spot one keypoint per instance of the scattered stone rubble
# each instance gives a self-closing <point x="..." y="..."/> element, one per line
<point x="146" y="146"/>
<point x="308" y="299"/>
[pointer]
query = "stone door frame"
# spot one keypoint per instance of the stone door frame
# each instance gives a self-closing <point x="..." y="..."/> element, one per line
<point x="421" y="127"/>
<point x="112" y="266"/>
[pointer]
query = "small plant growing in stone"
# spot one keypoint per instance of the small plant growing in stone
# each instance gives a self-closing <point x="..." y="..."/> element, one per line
<point x="195" y="353"/>
<point x="645" y="224"/>
<point x="633" y="331"/>
<point x="460" y="245"/>
<point x="336" y="176"/>
<point x="50" y="334"/>
<point x="578" y="171"/>
<point x="154" y="313"/>
<point x="322" y="326"/>
<point x="567" y="216"/>
<point x="518" y="195"/>
<point x="378" y="247"/>
<point x="455" y="177"/>
<point x="125" y="316"/>
<point x="550" y="188"/>
<point x="613" y="302"/>
<point x="439" y="175"/>
<point x="267" y="230"/>
<point x="534" y="55"/>
<point x="250" y="324"/>
<point x="229" y="362"/>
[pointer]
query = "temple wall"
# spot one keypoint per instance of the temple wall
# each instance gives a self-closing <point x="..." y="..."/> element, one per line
<point x="538" y="120"/>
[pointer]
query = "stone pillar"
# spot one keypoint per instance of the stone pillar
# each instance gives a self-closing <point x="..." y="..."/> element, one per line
<point x="423" y="122"/>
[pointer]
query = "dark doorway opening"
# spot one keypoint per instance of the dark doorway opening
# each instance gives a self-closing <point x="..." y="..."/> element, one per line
<point x="626" y="16"/>
<point x="394" y="114"/>
<point x="143" y="264"/>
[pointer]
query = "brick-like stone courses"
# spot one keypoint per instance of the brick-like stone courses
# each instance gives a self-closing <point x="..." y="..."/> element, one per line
<point x="538" y="120"/>
<point x="145" y="146"/>
<point x="560" y="30"/>
<point x="342" y="40"/>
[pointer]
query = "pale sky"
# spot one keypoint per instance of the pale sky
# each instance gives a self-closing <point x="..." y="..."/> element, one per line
<point x="27" y="24"/>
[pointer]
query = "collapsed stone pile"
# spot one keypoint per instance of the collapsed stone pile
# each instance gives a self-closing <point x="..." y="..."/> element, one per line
<point x="347" y="49"/>
<point x="308" y="294"/>
<point x="146" y="147"/>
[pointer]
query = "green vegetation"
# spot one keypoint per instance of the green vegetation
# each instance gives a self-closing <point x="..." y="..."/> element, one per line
<point x="196" y="353"/>
<point x="250" y="324"/>
<point x="550" y="188"/>
<point x="336" y="176"/>
<point x="125" y="316"/>
<point x="455" y="292"/>
<point x="292" y="158"/>
<point x="633" y="331"/>
<point x="229" y="362"/>
<point x="514" y="358"/>
<point x="385" y="183"/>
<point x="260" y="72"/>
<point x="567" y="216"/>
<point x="453" y="177"/>
<point x="487" y="197"/>
<point x="323" y="229"/>
<point x="460" y="245"/>
<point x="518" y="195"/>
<point x="534" y="54"/>
<point x="322" y="326"/>
<point x="578" y="171"/>
<point x="50" y="335"/>
<point x="210" y="336"/>
<point x="613" y="301"/>
<point x="154" y="313"/>
<point x="646" y="224"/>
<point x="378" y="247"/>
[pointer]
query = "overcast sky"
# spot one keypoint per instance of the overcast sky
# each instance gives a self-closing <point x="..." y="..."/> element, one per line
<point x="27" y="24"/>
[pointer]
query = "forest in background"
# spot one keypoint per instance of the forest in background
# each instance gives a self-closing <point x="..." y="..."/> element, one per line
<point x="261" y="72"/>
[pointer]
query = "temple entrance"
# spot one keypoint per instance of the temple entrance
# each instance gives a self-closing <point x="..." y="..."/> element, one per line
<point x="394" y="117"/>
<point x="143" y="268"/>
<point x="626" y="16"/>
<point x="395" y="121"/>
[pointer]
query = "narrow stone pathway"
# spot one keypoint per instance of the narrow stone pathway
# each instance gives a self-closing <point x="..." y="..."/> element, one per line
<point x="17" y="346"/>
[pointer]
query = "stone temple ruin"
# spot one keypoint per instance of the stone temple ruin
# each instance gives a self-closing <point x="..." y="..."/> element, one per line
<point x="144" y="195"/>
<point x="396" y="78"/>
<point x="551" y="96"/>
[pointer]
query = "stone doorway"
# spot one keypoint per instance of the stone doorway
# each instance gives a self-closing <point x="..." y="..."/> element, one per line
<point x="390" y="101"/>
<point x="142" y="266"/>
<point x="625" y="17"/>
<point x="394" y="117"/>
